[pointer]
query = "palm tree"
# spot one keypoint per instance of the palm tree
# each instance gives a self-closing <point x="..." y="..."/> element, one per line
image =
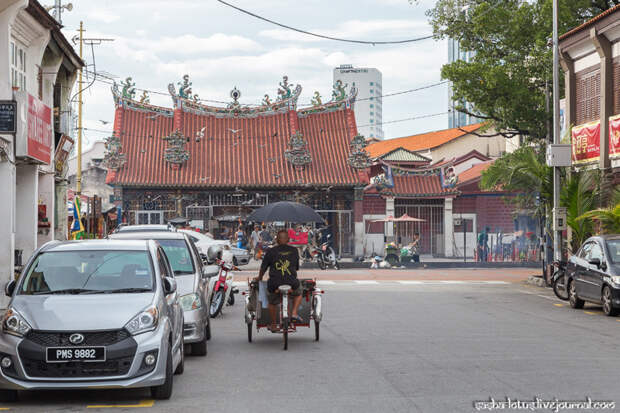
<point x="608" y="218"/>
<point x="578" y="195"/>
<point x="523" y="171"/>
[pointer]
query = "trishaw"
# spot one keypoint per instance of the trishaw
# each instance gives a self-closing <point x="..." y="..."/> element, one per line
<point x="256" y="303"/>
<point x="309" y="309"/>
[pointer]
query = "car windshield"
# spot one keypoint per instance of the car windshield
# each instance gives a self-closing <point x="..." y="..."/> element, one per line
<point x="92" y="272"/>
<point x="178" y="254"/>
<point x="613" y="245"/>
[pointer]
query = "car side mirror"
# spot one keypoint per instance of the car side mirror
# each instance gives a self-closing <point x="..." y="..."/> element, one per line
<point x="9" y="288"/>
<point x="170" y="285"/>
<point x="204" y="257"/>
<point x="595" y="261"/>
<point x="604" y="266"/>
<point x="210" y="271"/>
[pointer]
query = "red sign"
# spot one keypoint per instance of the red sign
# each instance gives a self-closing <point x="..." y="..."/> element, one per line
<point x="614" y="136"/>
<point x="586" y="142"/>
<point x="39" y="130"/>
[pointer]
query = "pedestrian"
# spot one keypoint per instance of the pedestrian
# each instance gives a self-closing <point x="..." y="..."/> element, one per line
<point x="265" y="235"/>
<point x="255" y="239"/>
<point x="208" y="234"/>
<point x="414" y="247"/>
<point x="241" y="239"/>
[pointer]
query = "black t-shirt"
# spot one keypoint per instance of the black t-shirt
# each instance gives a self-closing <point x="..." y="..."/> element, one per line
<point x="283" y="263"/>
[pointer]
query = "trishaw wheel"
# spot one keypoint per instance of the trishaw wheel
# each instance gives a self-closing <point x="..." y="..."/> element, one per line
<point x="322" y="264"/>
<point x="285" y="333"/>
<point x="249" y="332"/>
<point x="316" y="330"/>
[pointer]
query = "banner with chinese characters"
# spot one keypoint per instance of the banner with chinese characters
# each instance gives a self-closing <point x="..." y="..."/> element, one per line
<point x="586" y="142"/>
<point x="614" y="136"/>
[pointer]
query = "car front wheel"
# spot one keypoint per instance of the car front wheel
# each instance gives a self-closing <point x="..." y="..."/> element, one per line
<point x="164" y="391"/>
<point x="574" y="301"/>
<point x="608" y="307"/>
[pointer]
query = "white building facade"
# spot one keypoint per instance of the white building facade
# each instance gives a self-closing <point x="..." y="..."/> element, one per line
<point x="369" y="103"/>
<point x="36" y="79"/>
<point x="458" y="119"/>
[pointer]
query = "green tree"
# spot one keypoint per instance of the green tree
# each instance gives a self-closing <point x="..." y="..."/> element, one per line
<point x="609" y="218"/>
<point x="510" y="71"/>
<point x="525" y="173"/>
<point x="578" y="195"/>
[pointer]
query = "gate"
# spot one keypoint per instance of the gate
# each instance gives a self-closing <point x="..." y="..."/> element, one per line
<point x="431" y="230"/>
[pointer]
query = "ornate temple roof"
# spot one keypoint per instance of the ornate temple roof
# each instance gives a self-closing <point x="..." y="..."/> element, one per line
<point x="269" y="145"/>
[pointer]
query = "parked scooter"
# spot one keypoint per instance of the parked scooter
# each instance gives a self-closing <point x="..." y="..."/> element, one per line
<point x="558" y="282"/>
<point x="222" y="290"/>
<point x="326" y="255"/>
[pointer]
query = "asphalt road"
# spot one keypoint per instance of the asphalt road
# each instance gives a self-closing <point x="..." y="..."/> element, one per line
<point x="417" y="347"/>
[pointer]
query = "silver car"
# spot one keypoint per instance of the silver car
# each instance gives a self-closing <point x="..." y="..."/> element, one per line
<point x="192" y="283"/>
<point x="92" y="314"/>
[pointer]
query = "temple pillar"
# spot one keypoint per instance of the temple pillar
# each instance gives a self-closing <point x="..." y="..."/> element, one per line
<point x="448" y="227"/>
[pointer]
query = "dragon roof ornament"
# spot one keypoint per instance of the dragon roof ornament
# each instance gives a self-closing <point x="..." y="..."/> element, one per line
<point x="340" y="100"/>
<point x="125" y="97"/>
<point x="186" y="99"/>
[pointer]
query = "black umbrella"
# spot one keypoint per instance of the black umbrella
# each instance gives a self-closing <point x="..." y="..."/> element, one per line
<point x="285" y="211"/>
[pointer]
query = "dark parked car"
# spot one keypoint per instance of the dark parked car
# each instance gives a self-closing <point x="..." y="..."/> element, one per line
<point x="594" y="274"/>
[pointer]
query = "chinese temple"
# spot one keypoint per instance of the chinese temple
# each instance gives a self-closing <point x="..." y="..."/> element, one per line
<point x="214" y="165"/>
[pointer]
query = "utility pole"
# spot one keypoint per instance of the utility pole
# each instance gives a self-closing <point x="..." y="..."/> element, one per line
<point x="79" y="150"/>
<point x="557" y="245"/>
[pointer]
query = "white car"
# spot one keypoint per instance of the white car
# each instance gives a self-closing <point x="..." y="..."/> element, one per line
<point x="203" y="242"/>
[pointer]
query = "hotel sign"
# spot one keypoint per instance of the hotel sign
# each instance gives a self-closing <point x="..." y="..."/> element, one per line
<point x="8" y="116"/>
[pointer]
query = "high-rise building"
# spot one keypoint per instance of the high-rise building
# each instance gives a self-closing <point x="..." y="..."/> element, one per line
<point x="455" y="118"/>
<point x="369" y="105"/>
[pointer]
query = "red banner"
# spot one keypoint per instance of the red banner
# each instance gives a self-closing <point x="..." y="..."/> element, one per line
<point x="39" y="130"/>
<point x="614" y="137"/>
<point x="586" y="142"/>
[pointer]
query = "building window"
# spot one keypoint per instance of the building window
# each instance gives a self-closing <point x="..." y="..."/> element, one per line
<point x="372" y="113"/>
<point x="372" y="91"/>
<point x="18" y="65"/>
<point x="588" y="97"/>
<point x="371" y="83"/>
<point x="372" y="121"/>
<point x="371" y="98"/>
<point x="372" y="105"/>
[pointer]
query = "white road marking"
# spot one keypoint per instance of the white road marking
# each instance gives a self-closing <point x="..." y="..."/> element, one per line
<point x="411" y="282"/>
<point x="494" y="282"/>
<point x="365" y="282"/>
<point x="325" y="282"/>
<point x="453" y="282"/>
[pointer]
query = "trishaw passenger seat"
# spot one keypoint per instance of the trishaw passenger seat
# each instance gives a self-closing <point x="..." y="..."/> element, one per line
<point x="284" y="289"/>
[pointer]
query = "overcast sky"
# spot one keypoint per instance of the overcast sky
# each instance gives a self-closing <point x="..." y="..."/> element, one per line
<point x="157" y="42"/>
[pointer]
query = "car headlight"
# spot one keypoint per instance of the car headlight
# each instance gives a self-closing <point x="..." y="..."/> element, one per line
<point x="13" y="323"/>
<point x="144" y="321"/>
<point x="190" y="302"/>
<point x="615" y="279"/>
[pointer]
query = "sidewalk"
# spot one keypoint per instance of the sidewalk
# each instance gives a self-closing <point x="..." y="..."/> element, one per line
<point x="426" y="262"/>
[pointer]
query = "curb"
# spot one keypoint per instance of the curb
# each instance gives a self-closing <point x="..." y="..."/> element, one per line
<point x="431" y="265"/>
<point x="536" y="280"/>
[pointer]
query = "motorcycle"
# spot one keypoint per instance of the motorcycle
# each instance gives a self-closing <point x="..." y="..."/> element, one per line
<point x="327" y="255"/>
<point x="558" y="282"/>
<point x="222" y="290"/>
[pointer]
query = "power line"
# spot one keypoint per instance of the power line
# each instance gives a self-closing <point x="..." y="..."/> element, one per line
<point x="321" y="35"/>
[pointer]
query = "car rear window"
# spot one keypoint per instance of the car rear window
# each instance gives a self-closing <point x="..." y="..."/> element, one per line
<point x="613" y="246"/>
<point x="74" y="272"/>
<point x="179" y="256"/>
